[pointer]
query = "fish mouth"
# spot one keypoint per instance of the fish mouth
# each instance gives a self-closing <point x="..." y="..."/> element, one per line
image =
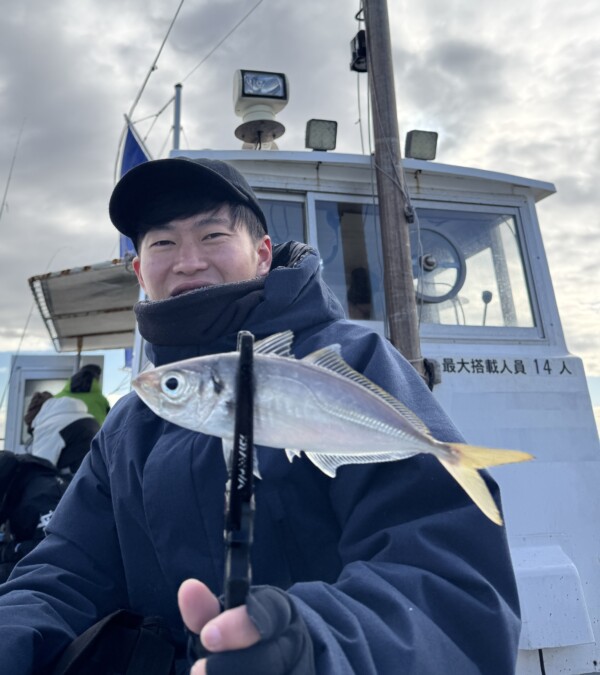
<point x="145" y="386"/>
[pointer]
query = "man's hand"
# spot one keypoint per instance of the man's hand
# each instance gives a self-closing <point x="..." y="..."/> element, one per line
<point x="201" y="613"/>
<point x="265" y="636"/>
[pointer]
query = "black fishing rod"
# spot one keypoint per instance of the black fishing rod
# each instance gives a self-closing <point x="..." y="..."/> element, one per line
<point x="239" y="498"/>
<point x="239" y="493"/>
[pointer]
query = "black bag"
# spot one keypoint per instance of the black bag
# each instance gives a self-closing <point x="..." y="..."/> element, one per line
<point x="9" y="466"/>
<point x="16" y="470"/>
<point x="123" y="643"/>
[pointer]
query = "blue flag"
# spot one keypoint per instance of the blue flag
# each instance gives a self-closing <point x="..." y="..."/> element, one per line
<point x="134" y="153"/>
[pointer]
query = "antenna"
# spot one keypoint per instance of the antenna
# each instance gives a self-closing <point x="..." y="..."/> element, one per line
<point x="177" y="117"/>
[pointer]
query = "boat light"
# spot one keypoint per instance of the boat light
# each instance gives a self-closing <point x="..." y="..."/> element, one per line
<point x="421" y="144"/>
<point x="321" y="134"/>
<point x="257" y="97"/>
<point x="263" y="85"/>
<point x="358" y="50"/>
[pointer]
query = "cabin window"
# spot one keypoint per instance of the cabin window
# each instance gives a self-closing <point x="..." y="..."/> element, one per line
<point x="468" y="269"/>
<point x="467" y="264"/>
<point x="285" y="220"/>
<point x="349" y="242"/>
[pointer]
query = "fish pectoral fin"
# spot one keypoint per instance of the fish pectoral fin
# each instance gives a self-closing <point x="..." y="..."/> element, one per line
<point x="474" y="485"/>
<point x="330" y="358"/>
<point x="279" y="344"/>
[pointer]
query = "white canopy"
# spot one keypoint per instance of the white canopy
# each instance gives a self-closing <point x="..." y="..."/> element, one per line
<point x="88" y="308"/>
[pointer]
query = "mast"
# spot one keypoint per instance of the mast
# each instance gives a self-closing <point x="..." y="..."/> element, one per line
<point x="394" y="207"/>
<point x="177" y="117"/>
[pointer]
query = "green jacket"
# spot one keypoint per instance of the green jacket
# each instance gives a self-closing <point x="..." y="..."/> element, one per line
<point x="97" y="404"/>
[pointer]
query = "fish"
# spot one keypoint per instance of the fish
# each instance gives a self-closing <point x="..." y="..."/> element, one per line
<point x="318" y="405"/>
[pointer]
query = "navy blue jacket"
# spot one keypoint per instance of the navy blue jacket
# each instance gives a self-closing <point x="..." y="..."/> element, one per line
<point x="392" y="567"/>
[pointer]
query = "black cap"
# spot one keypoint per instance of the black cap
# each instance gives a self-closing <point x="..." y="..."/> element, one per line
<point x="212" y="177"/>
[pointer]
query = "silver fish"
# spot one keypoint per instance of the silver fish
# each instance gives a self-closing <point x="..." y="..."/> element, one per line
<point x="317" y="405"/>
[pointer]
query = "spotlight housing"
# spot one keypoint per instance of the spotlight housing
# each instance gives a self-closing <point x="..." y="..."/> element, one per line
<point x="321" y="135"/>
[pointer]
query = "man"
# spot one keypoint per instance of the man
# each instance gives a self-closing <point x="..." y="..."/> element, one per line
<point x="85" y="386"/>
<point x="385" y="569"/>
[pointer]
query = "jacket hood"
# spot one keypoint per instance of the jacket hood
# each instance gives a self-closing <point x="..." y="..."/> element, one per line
<point x="293" y="296"/>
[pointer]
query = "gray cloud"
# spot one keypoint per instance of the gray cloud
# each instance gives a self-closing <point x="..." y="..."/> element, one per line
<point x="508" y="88"/>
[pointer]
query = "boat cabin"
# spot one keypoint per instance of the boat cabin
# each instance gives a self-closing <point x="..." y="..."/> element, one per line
<point x="489" y="326"/>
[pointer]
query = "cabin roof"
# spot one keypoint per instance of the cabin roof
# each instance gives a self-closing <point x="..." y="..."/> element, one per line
<point x="325" y="169"/>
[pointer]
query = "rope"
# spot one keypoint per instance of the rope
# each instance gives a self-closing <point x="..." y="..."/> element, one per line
<point x="10" y="171"/>
<point x="214" y="49"/>
<point x="153" y="66"/>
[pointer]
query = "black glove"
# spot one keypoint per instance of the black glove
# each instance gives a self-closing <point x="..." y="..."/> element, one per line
<point x="285" y="647"/>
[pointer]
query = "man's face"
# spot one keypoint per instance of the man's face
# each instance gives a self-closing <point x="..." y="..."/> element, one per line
<point x="203" y="250"/>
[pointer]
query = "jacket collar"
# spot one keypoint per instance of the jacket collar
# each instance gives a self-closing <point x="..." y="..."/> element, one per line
<point x="292" y="296"/>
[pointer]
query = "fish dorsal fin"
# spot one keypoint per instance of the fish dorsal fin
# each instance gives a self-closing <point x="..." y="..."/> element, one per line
<point x="279" y="344"/>
<point x="330" y="357"/>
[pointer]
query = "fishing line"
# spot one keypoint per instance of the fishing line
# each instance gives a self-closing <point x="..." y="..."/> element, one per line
<point x="12" y="165"/>
<point x="141" y="91"/>
<point x="185" y="137"/>
<point x="214" y="49"/>
<point x="156" y="116"/>
<point x="164" y="145"/>
<point x="153" y="66"/>
<point x="18" y="351"/>
<point x="14" y="361"/>
<point x="121" y="384"/>
<point x="359" y="121"/>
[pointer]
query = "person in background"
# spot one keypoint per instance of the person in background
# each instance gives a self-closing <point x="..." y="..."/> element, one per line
<point x="62" y="431"/>
<point x="359" y="294"/>
<point x="85" y="386"/>
<point x="32" y="484"/>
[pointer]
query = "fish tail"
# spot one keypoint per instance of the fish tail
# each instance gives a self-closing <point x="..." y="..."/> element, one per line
<point x="464" y="471"/>
<point x="477" y="457"/>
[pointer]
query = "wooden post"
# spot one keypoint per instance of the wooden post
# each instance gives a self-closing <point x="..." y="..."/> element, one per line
<point x="400" y="299"/>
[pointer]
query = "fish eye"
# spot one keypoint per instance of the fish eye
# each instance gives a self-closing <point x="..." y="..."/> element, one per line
<point x="172" y="383"/>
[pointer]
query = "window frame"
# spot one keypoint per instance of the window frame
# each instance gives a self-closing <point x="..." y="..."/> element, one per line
<point x="518" y="208"/>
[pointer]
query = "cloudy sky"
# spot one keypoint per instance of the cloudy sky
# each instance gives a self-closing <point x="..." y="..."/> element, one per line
<point x="511" y="87"/>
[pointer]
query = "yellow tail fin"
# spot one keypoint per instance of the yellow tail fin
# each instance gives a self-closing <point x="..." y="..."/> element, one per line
<point x="480" y="458"/>
<point x="465" y="473"/>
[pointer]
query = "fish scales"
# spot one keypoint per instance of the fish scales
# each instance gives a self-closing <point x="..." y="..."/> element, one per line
<point x="312" y="401"/>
